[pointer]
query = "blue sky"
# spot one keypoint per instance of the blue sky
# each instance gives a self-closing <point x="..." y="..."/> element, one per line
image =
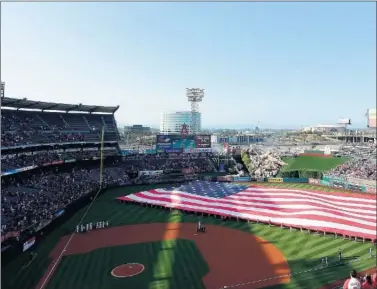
<point x="280" y="64"/>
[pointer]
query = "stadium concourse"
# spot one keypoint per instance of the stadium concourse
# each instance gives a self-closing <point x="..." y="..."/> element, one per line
<point x="50" y="166"/>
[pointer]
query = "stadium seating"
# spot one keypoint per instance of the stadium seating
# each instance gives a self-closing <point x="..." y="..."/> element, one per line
<point x="34" y="127"/>
<point x="34" y="141"/>
<point x="31" y="201"/>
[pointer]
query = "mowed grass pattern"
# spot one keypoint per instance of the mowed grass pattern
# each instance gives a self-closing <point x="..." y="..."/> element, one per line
<point x="92" y="270"/>
<point x="303" y="251"/>
<point x="312" y="163"/>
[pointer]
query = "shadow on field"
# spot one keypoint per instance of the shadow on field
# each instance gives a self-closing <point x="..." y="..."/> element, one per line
<point x="313" y="274"/>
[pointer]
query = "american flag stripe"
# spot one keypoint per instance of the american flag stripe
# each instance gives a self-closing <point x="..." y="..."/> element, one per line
<point x="281" y="203"/>
<point x="239" y="207"/>
<point x="312" y="215"/>
<point x="367" y="199"/>
<point x="332" y="213"/>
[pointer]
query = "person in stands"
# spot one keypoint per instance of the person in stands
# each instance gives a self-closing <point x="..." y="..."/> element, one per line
<point x="368" y="284"/>
<point x="352" y="282"/>
<point x="374" y="279"/>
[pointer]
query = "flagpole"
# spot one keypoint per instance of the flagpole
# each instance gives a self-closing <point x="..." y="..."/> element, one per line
<point x="101" y="157"/>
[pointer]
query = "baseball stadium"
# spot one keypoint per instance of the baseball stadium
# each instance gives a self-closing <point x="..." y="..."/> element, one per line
<point x="80" y="212"/>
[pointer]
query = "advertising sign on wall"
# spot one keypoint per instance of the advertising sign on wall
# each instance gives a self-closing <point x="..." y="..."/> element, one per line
<point x="199" y="150"/>
<point x="275" y="180"/>
<point x="28" y="244"/>
<point x="151" y="173"/>
<point x="353" y="187"/>
<point x="224" y="178"/>
<point x="314" y="181"/>
<point x="337" y="184"/>
<point x="241" y="179"/>
<point x="177" y="151"/>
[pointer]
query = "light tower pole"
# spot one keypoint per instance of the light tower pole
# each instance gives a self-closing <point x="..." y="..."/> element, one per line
<point x="194" y="96"/>
<point x="2" y="89"/>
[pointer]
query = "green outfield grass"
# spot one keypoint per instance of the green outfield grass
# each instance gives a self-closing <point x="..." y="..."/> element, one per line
<point x="303" y="186"/>
<point x="92" y="270"/>
<point x="302" y="251"/>
<point x="313" y="163"/>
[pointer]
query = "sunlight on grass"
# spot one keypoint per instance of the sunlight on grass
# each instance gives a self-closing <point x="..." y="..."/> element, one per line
<point x="163" y="267"/>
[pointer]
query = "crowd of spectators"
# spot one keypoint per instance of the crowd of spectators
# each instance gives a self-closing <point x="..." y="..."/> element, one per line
<point x="20" y="128"/>
<point x="369" y="281"/>
<point x="199" y="163"/>
<point x="21" y="160"/>
<point x="30" y="201"/>
<point x="361" y="168"/>
<point x="34" y="200"/>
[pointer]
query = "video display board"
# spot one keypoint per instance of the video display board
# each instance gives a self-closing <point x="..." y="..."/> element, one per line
<point x="177" y="142"/>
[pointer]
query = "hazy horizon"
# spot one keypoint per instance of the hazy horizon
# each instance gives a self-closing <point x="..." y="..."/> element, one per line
<point x="277" y="64"/>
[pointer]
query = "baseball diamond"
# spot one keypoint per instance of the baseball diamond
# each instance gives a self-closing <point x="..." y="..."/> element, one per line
<point x="229" y="254"/>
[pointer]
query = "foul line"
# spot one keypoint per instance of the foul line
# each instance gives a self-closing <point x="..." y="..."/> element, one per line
<point x="47" y="277"/>
<point x="295" y="273"/>
<point x="32" y="259"/>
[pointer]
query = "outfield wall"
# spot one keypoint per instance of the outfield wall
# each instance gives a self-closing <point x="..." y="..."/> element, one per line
<point x="326" y="181"/>
<point x="343" y="184"/>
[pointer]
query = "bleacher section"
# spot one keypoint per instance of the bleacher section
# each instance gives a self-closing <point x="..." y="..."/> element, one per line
<point x="20" y="127"/>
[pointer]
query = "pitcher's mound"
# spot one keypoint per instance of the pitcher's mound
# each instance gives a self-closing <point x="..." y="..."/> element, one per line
<point x="127" y="270"/>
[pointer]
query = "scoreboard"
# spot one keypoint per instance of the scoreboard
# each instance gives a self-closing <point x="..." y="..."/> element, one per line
<point x="203" y="141"/>
<point x="175" y="142"/>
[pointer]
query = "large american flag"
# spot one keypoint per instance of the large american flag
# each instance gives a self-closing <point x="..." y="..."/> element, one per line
<point x="352" y="215"/>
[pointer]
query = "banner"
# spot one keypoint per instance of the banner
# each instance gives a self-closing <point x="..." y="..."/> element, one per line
<point x="275" y="180"/>
<point x="25" y="169"/>
<point x="11" y="172"/>
<point x="128" y="152"/>
<point x="59" y="213"/>
<point x="57" y="162"/>
<point x="28" y="244"/>
<point x="70" y="161"/>
<point x="332" y="179"/>
<point x="357" y="188"/>
<point x="171" y="150"/>
<point x="150" y="173"/>
<point x="198" y="150"/>
<point x="314" y="181"/>
<point x="295" y="180"/>
<point x="46" y="164"/>
<point x="241" y="179"/>
<point x="337" y="184"/>
<point x="224" y="178"/>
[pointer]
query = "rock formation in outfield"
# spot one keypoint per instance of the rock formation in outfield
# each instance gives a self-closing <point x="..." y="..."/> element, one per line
<point x="261" y="163"/>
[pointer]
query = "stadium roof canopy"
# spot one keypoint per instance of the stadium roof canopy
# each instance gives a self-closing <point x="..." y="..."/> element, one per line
<point x="41" y="105"/>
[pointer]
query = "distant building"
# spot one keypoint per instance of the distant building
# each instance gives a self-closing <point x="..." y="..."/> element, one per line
<point x="325" y="128"/>
<point x="244" y="139"/>
<point x="137" y="128"/>
<point x="171" y="122"/>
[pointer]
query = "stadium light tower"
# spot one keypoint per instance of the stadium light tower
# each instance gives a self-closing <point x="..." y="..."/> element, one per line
<point x="194" y="96"/>
<point x="2" y="89"/>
